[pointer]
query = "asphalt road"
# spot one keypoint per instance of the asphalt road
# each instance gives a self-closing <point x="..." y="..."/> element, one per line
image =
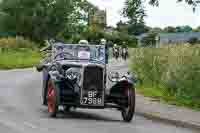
<point x="21" y="111"/>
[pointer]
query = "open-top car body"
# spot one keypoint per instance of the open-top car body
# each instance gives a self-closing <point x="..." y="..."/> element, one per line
<point x="75" y="75"/>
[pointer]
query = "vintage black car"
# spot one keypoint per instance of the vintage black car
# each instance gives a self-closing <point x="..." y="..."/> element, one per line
<point x="75" y="75"/>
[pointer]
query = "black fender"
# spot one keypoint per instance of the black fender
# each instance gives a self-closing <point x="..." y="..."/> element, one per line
<point x="46" y="77"/>
<point x="126" y="82"/>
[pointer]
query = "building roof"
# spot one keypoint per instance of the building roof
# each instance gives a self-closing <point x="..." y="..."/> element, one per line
<point x="178" y="37"/>
<point x="174" y="37"/>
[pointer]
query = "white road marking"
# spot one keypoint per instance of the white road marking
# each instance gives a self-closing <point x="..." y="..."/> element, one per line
<point x="12" y="125"/>
<point x="28" y="124"/>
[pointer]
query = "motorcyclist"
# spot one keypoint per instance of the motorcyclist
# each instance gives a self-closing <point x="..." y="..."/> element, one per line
<point x="104" y="42"/>
<point x="116" y="51"/>
<point x="124" y="52"/>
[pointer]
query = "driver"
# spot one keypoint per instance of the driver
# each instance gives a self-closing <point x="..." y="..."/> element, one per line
<point x="59" y="51"/>
<point x="84" y="51"/>
<point x="104" y="42"/>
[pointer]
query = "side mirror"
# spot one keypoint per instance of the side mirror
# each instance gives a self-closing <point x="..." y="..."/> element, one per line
<point x="106" y="59"/>
<point x="39" y="68"/>
<point x="113" y="76"/>
<point x="107" y="55"/>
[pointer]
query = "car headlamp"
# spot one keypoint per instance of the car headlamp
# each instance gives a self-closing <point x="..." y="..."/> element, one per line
<point x="55" y="74"/>
<point x="73" y="74"/>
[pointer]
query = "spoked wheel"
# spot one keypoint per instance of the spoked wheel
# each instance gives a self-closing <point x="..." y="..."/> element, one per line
<point x="51" y="100"/>
<point x="129" y="111"/>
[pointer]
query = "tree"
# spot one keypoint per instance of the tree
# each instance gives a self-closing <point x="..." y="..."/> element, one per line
<point x="149" y="40"/>
<point x="170" y="29"/>
<point x="187" y="28"/>
<point x="122" y="27"/>
<point x="179" y="29"/>
<point x="197" y="29"/>
<point x="189" y="2"/>
<point x="183" y="28"/>
<point x="40" y="19"/>
<point x="193" y="41"/>
<point x="156" y="30"/>
<point x="135" y="13"/>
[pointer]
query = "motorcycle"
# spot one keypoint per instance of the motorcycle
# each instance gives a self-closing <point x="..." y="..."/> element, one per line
<point x="124" y="53"/>
<point x="116" y="53"/>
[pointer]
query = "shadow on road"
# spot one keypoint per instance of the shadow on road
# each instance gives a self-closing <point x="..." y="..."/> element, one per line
<point x="80" y="115"/>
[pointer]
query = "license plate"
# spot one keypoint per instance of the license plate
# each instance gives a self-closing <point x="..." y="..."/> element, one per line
<point x="92" y="98"/>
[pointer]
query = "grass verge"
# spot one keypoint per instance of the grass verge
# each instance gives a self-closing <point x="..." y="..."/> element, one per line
<point x="19" y="59"/>
<point x="159" y="95"/>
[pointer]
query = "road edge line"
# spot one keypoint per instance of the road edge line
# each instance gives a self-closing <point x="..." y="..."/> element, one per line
<point x="178" y="123"/>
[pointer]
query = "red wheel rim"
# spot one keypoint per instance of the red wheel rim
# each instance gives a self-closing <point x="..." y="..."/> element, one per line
<point x="50" y="97"/>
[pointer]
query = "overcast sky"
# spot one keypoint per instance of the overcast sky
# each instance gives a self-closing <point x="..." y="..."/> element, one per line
<point x="169" y="13"/>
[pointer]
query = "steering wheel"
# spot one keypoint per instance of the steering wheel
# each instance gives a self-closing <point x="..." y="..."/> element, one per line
<point x="63" y="53"/>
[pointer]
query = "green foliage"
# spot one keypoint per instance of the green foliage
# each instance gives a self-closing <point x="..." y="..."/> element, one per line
<point x="189" y="2"/>
<point x="156" y="30"/>
<point x="122" y="27"/>
<point x="174" y="71"/>
<point x="17" y="43"/>
<point x="197" y="29"/>
<point x="18" y="53"/>
<point x="194" y="41"/>
<point x="19" y="59"/>
<point x="135" y="13"/>
<point x="170" y="29"/>
<point x="183" y="28"/>
<point x="41" y="19"/>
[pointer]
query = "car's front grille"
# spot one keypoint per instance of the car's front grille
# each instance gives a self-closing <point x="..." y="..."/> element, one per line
<point x="93" y="78"/>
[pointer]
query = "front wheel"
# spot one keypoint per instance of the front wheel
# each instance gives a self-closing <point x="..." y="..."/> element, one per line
<point x="129" y="111"/>
<point x="52" y="102"/>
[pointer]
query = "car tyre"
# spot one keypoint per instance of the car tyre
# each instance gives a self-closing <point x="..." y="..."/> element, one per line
<point x="44" y="96"/>
<point x="52" y="101"/>
<point x="129" y="111"/>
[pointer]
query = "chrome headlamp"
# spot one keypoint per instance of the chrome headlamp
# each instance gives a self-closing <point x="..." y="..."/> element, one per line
<point x="55" y="73"/>
<point x="73" y="74"/>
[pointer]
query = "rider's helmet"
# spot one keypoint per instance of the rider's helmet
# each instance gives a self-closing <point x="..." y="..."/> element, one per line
<point x="103" y="41"/>
<point x="83" y="42"/>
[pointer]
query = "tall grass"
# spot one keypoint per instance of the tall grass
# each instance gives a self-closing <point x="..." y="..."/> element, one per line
<point x="16" y="59"/>
<point x="11" y="43"/>
<point x="174" y="71"/>
<point x="18" y="53"/>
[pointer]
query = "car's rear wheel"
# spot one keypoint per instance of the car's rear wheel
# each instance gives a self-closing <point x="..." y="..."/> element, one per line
<point x="44" y="96"/>
<point x="52" y="102"/>
<point x="129" y="111"/>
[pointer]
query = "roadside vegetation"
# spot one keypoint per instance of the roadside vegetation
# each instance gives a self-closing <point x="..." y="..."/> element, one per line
<point x="170" y="74"/>
<point x="18" y="53"/>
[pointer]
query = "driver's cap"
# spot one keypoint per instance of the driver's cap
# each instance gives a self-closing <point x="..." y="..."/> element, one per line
<point x="83" y="42"/>
<point x="103" y="41"/>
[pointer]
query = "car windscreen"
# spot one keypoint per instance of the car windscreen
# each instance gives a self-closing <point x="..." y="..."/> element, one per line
<point x="79" y="52"/>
